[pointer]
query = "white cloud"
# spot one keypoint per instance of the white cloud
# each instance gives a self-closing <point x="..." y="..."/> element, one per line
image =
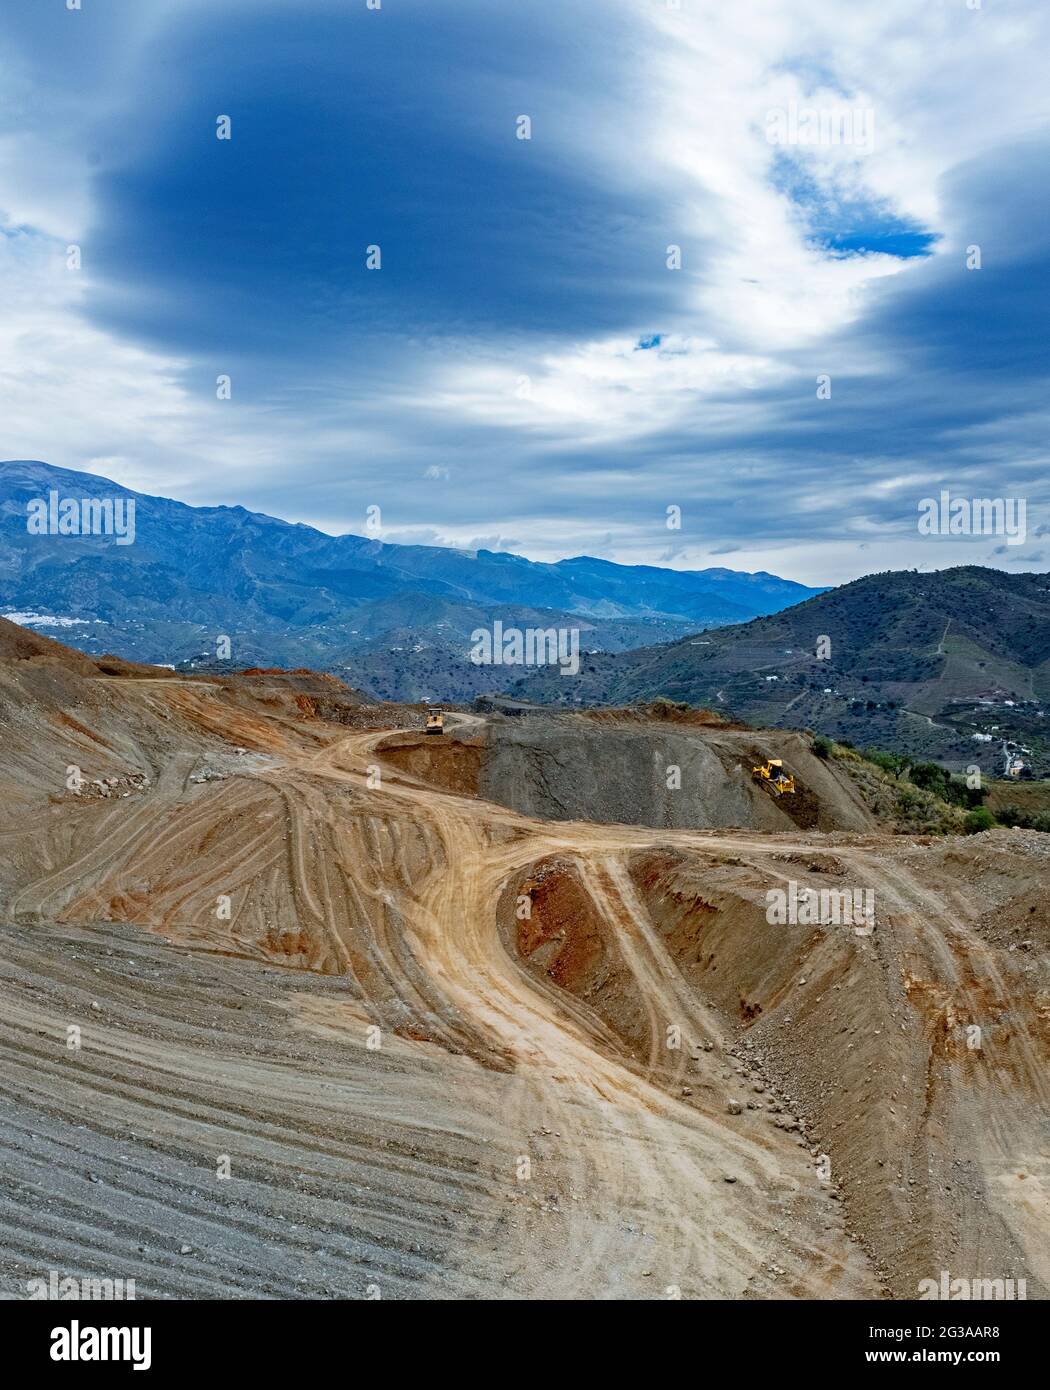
<point x="601" y="390"/>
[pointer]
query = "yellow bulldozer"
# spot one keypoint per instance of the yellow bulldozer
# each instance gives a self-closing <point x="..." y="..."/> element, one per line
<point x="772" y="773"/>
<point x="435" y="721"/>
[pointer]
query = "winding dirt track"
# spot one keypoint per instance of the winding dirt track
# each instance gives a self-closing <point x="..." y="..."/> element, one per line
<point x="624" y="1145"/>
<point x="502" y="1140"/>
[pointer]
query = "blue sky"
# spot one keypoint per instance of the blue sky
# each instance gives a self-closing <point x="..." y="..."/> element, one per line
<point x="525" y="371"/>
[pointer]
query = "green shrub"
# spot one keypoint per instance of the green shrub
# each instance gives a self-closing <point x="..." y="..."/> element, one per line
<point x="822" y="746"/>
<point x="889" y="762"/>
<point x="980" y="818"/>
<point x="1027" y="820"/>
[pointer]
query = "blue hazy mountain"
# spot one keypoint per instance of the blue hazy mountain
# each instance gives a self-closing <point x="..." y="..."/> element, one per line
<point x="287" y="594"/>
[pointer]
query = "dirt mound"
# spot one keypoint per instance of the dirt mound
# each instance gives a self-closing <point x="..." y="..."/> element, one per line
<point x="314" y="677"/>
<point x="637" y="772"/>
<point x="667" y="711"/>
<point x="870" y="1037"/>
<point x="453" y="764"/>
<point x="23" y="644"/>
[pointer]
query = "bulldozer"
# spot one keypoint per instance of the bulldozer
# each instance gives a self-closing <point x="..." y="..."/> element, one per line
<point x="772" y="772"/>
<point x="435" y="721"/>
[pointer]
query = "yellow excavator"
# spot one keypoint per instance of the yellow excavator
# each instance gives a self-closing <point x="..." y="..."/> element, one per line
<point x="435" y="721"/>
<point x="772" y="772"/>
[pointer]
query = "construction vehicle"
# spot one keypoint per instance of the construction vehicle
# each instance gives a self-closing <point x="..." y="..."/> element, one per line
<point x="435" y="721"/>
<point x="772" y="772"/>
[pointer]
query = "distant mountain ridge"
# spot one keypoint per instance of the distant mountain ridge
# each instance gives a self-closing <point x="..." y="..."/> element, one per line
<point x="287" y="594"/>
<point x="916" y="662"/>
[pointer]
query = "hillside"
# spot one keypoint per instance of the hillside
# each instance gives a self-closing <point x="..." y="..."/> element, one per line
<point x="398" y="616"/>
<point x="918" y="663"/>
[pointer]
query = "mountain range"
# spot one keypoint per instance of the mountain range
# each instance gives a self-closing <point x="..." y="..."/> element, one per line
<point x="951" y="664"/>
<point x="395" y="619"/>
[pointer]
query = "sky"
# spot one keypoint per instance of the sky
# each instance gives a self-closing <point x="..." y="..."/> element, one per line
<point x="532" y="367"/>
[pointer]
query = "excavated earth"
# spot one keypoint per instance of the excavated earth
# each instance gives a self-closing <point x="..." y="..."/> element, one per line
<point x="300" y="1002"/>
